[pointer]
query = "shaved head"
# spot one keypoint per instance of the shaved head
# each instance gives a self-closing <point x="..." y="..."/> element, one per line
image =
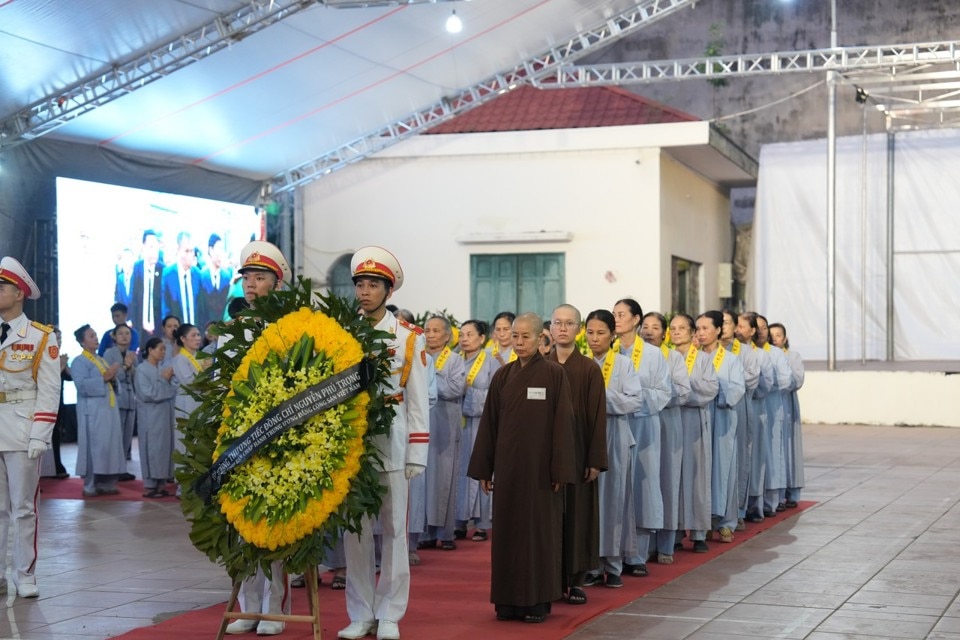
<point x="536" y="324"/>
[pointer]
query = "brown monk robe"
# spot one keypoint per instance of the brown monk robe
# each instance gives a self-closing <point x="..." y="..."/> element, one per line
<point x="581" y="516"/>
<point x="525" y="442"/>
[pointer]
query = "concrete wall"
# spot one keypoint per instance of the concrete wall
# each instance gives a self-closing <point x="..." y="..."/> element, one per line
<point x="911" y="398"/>
<point x="421" y="199"/>
<point x="775" y="25"/>
<point x="695" y="215"/>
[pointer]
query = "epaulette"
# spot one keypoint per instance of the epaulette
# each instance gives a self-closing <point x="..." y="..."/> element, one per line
<point x="42" y="327"/>
<point x="411" y="327"/>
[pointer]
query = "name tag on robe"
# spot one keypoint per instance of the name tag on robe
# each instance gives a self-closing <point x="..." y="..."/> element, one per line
<point x="536" y="393"/>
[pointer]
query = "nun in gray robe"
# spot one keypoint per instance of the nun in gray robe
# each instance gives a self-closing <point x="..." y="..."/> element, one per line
<point x="155" y="396"/>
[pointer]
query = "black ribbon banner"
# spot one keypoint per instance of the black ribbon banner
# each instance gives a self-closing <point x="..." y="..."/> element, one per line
<point x="303" y="406"/>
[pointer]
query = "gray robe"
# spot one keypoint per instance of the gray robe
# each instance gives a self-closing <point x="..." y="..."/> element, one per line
<point x="618" y="536"/>
<point x="155" y="421"/>
<point x="183" y="374"/>
<point x="723" y="420"/>
<point x="125" y="398"/>
<point x="671" y="440"/>
<point x="750" y="359"/>
<point x="776" y="472"/>
<point x="758" y="420"/>
<point x="471" y="502"/>
<point x="695" y="467"/>
<point x="792" y="427"/>
<point x="443" y="456"/>
<point x="99" y="435"/>
<point x="645" y="425"/>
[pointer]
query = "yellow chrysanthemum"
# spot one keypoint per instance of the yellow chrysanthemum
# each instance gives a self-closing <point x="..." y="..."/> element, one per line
<point x="290" y="487"/>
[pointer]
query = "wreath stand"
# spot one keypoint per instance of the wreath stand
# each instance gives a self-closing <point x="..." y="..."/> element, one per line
<point x="309" y="576"/>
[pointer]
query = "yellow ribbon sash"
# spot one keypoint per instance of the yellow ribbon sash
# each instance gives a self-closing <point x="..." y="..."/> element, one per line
<point x="496" y="354"/>
<point x="475" y="367"/>
<point x="102" y="368"/>
<point x="637" y="354"/>
<point x="735" y="348"/>
<point x="691" y="358"/>
<point x="442" y="359"/>
<point x="665" y="350"/>
<point x="191" y="359"/>
<point x="718" y="357"/>
<point x="608" y="367"/>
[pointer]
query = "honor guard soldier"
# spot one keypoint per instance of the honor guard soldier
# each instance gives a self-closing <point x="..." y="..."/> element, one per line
<point x="380" y="604"/>
<point x="29" y="399"/>
<point x="264" y="269"/>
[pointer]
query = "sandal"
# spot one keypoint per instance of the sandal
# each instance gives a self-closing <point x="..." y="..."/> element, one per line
<point x="636" y="570"/>
<point x="427" y="544"/>
<point x="576" y="596"/>
<point x="339" y="583"/>
<point x="481" y="536"/>
<point x="153" y="494"/>
<point x="448" y="545"/>
<point x="533" y="618"/>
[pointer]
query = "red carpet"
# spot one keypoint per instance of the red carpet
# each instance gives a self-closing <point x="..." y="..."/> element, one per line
<point x="72" y="489"/>
<point x="449" y="598"/>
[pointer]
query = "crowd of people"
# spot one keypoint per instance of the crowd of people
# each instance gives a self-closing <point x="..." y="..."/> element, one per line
<point x="122" y="388"/>
<point x="685" y="432"/>
<point x="621" y="438"/>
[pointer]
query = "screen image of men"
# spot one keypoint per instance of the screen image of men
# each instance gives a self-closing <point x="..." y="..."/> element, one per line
<point x="524" y="452"/>
<point x="29" y="399"/>
<point x="123" y="290"/>
<point x="214" y="283"/>
<point x="373" y="603"/>
<point x="181" y="283"/>
<point x="144" y="308"/>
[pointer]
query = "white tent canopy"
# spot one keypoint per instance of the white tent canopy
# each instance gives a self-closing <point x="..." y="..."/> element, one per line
<point x="790" y="242"/>
<point x="281" y="96"/>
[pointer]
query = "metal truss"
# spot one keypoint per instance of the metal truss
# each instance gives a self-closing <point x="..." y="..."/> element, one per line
<point x="915" y="98"/>
<point x="55" y="110"/>
<point x="547" y="63"/>
<point x="841" y="59"/>
<point x="364" y="4"/>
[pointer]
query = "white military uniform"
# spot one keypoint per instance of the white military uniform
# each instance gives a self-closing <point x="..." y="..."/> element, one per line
<point x="406" y="443"/>
<point x="403" y="452"/>
<point x="29" y="399"/>
<point x="258" y="594"/>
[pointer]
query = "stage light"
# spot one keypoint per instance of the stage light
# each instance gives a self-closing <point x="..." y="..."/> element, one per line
<point x="454" y="23"/>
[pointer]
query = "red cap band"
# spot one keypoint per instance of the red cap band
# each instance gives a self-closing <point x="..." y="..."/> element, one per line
<point x="13" y="278"/>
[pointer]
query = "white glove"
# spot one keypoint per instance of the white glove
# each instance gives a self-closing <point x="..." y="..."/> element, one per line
<point x="36" y="447"/>
<point x="413" y="470"/>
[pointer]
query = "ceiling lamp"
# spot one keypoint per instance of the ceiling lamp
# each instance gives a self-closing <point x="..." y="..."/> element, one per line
<point x="454" y="23"/>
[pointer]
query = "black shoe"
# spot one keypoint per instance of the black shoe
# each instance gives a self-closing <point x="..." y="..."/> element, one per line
<point x="460" y="534"/>
<point x="700" y="546"/>
<point x="781" y="507"/>
<point x="427" y="544"/>
<point x="754" y="516"/>
<point x="614" y="581"/>
<point x="592" y="580"/>
<point x="791" y="504"/>
<point x="126" y="477"/>
<point x="769" y="513"/>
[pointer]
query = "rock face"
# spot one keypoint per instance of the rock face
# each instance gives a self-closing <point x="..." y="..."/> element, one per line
<point x="727" y="27"/>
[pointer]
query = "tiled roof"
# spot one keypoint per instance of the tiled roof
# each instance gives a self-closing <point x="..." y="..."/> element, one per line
<point x="529" y="108"/>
